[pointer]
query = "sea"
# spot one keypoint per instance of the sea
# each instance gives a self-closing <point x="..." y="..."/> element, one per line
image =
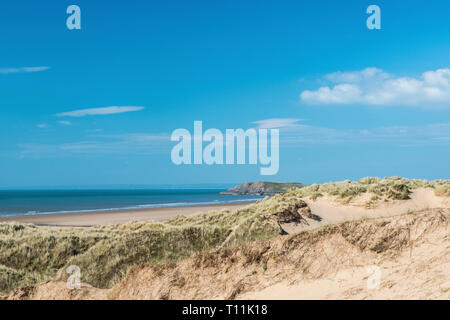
<point x="39" y="202"/>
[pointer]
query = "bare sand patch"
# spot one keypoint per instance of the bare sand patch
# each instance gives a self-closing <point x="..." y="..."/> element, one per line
<point x="332" y="210"/>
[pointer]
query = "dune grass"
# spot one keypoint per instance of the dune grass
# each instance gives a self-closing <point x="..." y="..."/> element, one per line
<point x="393" y="188"/>
<point x="31" y="254"/>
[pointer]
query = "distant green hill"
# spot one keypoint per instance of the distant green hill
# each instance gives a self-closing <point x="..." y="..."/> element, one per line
<point x="262" y="188"/>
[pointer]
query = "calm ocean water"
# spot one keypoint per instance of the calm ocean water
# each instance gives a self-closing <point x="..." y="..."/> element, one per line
<point x="34" y="202"/>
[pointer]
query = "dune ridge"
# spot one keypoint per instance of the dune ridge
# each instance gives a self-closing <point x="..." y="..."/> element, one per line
<point x="412" y="251"/>
<point x="311" y="242"/>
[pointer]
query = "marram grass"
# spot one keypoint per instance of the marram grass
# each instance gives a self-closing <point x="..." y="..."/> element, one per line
<point x="31" y="254"/>
<point x="394" y="188"/>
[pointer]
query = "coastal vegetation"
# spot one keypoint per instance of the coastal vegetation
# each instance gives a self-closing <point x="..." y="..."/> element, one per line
<point x="392" y="188"/>
<point x="31" y="254"/>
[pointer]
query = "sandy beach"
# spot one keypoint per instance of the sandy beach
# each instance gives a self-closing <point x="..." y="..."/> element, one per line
<point x="87" y="219"/>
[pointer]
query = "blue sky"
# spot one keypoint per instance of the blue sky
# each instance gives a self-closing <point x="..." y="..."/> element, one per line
<point x="353" y="102"/>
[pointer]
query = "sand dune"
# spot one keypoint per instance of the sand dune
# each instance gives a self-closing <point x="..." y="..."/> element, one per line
<point x="332" y="211"/>
<point x="411" y="250"/>
<point x="332" y="247"/>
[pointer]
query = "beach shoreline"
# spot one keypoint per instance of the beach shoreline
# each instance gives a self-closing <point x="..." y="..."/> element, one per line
<point x="95" y="218"/>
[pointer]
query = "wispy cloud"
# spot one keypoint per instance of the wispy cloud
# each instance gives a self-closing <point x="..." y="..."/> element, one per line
<point x="394" y="135"/>
<point x="42" y="125"/>
<point x="375" y="87"/>
<point x="277" y="123"/>
<point x="23" y="70"/>
<point x="65" y="123"/>
<point x="119" y="144"/>
<point x="138" y="138"/>
<point x="98" y="111"/>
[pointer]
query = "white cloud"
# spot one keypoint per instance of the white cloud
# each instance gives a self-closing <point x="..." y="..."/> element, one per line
<point x="23" y="70"/>
<point x="339" y="94"/>
<point x="142" y="138"/>
<point x="373" y="86"/>
<point x="98" y="111"/>
<point x="42" y="125"/>
<point x="277" y="123"/>
<point x="65" y="122"/>
<point x="394" y="135"/>
<point x="121" y="144"/>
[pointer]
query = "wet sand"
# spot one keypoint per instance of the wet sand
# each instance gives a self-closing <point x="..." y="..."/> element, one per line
<point x="88" y="219"/>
